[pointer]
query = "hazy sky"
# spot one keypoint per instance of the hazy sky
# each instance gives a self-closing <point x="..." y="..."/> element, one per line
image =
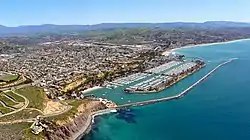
<point x="30" y="12"/>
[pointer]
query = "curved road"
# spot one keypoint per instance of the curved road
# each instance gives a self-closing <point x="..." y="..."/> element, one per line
<point x="33" y="119"/>
<point x="3" y="104"/>
<point x="26" y="103"/>
<point x="56" y="114"/>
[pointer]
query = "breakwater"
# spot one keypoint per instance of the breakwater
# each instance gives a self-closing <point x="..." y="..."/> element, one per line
<point x="142" y="103"/>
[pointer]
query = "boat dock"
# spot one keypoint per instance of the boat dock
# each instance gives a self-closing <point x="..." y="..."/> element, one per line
<point x="164" y="67"/>
<point x="183" y="93"/>
<point x="127" y="80"/>
<point x="167" y="78"/>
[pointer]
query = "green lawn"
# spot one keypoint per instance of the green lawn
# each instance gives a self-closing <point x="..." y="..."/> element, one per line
<point x="14" y="96"/>
<point x="35" y="95"/>
<point x="4" y="110"/>
<point x="9" y="78"/>
<point x="6" y="100"/>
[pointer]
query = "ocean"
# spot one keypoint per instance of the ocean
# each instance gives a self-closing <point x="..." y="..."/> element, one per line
<point x="218" y="108"/>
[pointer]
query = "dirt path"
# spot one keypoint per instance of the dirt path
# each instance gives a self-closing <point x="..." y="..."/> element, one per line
<point x="35" y="110"/>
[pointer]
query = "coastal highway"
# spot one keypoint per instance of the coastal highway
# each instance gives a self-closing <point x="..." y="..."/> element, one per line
<point x="143" y="103"/>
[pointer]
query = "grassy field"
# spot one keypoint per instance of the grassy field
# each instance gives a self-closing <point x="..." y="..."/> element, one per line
<point x="35" y="95"/>
<point x="20" y="131"/>
<point x="13" y="131"/>
<point x="6" y="100"/>
<point x="24" y="114"/>
<point x="14" y="96"/>
<point x="28" y="135"/>
<point x="9" y="78"/>
<point x="5" y="110"/>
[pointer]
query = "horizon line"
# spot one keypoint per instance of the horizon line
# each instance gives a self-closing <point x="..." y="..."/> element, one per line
<point x="246" y="22"/>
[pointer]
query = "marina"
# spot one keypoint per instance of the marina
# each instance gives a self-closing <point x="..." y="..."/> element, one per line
<point x="180" y="95"/>
<point x="176" y="71"/>
<point x="164" y="67"/>
<point x="147" y="85"/>
<point x="180" y="69"/>
<point x="126" y="80"/>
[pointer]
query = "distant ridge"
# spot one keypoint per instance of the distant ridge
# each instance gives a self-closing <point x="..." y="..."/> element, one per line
<point x="51" y="28"/>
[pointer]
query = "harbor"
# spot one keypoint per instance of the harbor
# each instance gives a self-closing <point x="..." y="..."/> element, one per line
<point x="180" y="95"/>
<point x="153" y="101"/>
<point x="126" y="80"/>
<point x="158" y="77"/>
<point x="166" y="75"/>
<point x="164" y="67"/>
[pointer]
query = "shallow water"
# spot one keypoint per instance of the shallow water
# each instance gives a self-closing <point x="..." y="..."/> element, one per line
<point x="217" y="109"/>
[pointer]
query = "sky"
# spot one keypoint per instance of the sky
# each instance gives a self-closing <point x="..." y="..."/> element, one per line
<point x="83" y="12"/>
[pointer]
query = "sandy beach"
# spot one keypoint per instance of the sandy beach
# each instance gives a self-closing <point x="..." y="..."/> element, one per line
<point x="86" y="128"/>
<point x="92" y="89"/>
<point x="202" y="45"/>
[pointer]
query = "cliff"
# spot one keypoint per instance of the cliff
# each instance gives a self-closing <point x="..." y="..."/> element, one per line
<point x="76" y="127"/>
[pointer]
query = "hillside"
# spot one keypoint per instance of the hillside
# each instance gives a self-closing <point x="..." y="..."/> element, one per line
<point x="50" y="28"/>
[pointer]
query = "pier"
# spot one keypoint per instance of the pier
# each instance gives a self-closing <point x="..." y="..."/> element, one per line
<point x="182" y="94"/>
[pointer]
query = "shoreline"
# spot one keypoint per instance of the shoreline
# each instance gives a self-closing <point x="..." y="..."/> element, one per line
<point x="87" y="127"/>
<point x="92" y="89"/>
<point x="203" y="45"/>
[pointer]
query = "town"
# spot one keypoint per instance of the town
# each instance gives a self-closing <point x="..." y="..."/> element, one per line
<point x="63" y="67"/>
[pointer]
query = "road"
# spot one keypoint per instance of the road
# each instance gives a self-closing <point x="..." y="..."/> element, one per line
<point x="17" y="87"/>
<point x="56" y="114"/>
<point x="26" y="103"/>
<point x="3" y="104"/>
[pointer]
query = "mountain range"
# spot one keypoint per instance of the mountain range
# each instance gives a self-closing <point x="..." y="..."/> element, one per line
<point x="51" y="28"/>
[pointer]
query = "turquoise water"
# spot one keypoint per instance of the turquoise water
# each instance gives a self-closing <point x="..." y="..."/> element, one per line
<point x="216" y="109"/>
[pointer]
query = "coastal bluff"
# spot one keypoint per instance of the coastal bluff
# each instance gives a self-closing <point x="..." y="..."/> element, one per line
<point x="75" y="127"/>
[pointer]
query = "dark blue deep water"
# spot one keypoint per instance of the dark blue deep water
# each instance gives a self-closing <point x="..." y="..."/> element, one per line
<point x="217" y="109"/>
